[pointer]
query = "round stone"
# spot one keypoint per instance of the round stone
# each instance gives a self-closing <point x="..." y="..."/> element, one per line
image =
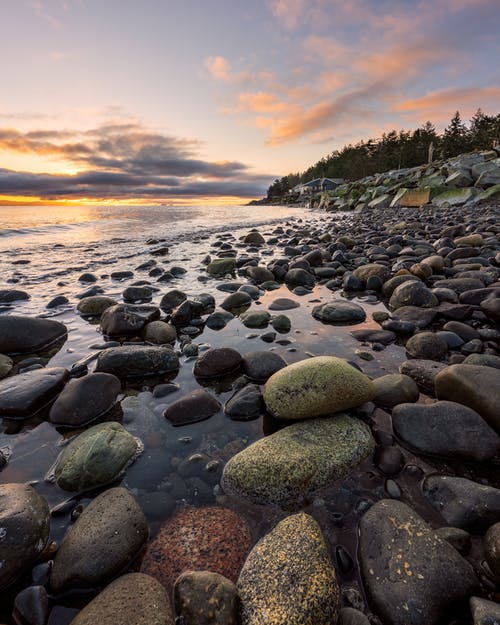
<point x="206" y="598"/>
<point x="217" y="362"/>
<point x="339" y="311"/>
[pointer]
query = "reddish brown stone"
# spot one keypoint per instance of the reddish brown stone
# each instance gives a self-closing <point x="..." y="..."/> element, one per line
<point x="217" y="362"/>
<point x="198" y="539"/>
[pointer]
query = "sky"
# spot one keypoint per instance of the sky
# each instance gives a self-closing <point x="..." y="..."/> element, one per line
<point x="208" y="101"/>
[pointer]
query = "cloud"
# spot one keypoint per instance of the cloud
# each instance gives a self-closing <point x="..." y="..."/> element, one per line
<point x="289" y="12"/>
<point x="260" y="102"/>
<point x="122" y="161"/>
<point x="219" y="68"/>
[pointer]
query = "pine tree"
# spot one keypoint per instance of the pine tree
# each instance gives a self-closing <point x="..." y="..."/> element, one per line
<point x="455" y="140"/>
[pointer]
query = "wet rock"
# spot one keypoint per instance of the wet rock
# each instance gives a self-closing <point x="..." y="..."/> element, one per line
<point x="474" y="386"/>
<point x="462" y="502"/>
<point x="133" y="599"/>
<point x="413" y="293"/>
<point x="219" y="320"/>
<point x="12" y="295"/>
<point x="59" y="300"/>
<point x="25" y="394"/>
<point x="85" y="399"/>
<point x="6" y="365"/>
<point x="424" y="373"/>
<point x="193" y="407"/>
<point x="260" y="274"/>
<point x="217" y="362"/>
<point x="198" y="539"/>
<point x="483" y="360"/>
<point x="24" y="530"/>
<point x="159" y="333"/>
<point x="171" y="300"/>
<point x="339" y="311"/>
<point x="105" y="538"/>
<point x="87" y="277"/>
<point x="281" y="323"/>
<point x="25" y="335"/>
<point x="236" y="300"/>
<point x="287" y="466"/>
<point x="484" y="612"/>
<point x="260" y="366"/>
<point x="389" y="459"/>
<point x="221" y="267"/>
<point x="393" y="283"/>
<point x="129" y="361"/>
<point x="31" y="606"/>
<point x="206" y="598"/>
<point x="492" y="549"/>
<point x="374" y="336"/>
<point x="246" y="404"/>
<point x="136" y="293"/>
<point x="445" y="429"/>
<point x="288" y="578"/>
<point x="127" y="319"/>
<point x="299" y="277"/>
<point x="394" y="389"/>
<point x="254" y="237"/>
<point x="255" y="318"/>
<point x="411" y="575"/>
<point x="314" y="387"/>
<point x="95" y="457"/>
<point x="460" y="539"/>
<point x="372" y="269"/>
<point x="95" y="305"/>
<point x="427" y="346"/>
<point x="283" y="303"/>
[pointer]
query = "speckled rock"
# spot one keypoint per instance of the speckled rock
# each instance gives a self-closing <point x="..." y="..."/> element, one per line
<point x="314" y="387"/>
<point x="25" y="394"/>
<point x="24" y="530"/>
<point x="206" y="598"/>
<point x="25" y="335"/>
<point x="413" y="293"/>
<point x="427" y="346"/>
<point x="198" y="539"/>
<point x="424" y="373"/>
<point x="133" y="599"/>
<point x="193" y="407"/>
<point x="246" y="404"/>
<point x="159" y="333"/>
<point x="85" y="399"/>
<point x="394" y="389"/>
<point x="217" y="362"/>
<point x="445" y="428"/>
<point x="339" y="311"/>
<point x="484" y="612"/>
<point x="95" y="305"/>
<point x="492" y="549"/>
<point x="462" y="502"/>
<point x="411" y="575"/>
<point x="129" y="361"/>
<point x="255" y="318"/>
<point x="372" y="269"/>
<point x="287" y="466"/>
<point x="95" y="457"/>
<point x="474" y="386"/>
<point x="288" y="578"/>
<point x="105" y="538"/>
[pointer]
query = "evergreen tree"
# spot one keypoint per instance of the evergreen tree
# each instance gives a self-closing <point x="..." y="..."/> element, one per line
<point x="455" y="139"/>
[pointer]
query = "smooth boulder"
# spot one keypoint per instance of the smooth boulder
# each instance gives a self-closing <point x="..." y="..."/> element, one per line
<point x="193" y="407"/>
<point x="315" y="387"/>
<point x="137" y="361"/>
<point x="25" y="335"/>
<point x="25" y="394"/>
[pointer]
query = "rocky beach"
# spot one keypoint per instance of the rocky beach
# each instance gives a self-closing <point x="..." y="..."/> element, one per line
<point x="290" y="421"/>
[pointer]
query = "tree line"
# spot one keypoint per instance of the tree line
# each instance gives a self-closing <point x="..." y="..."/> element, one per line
<point x="397" y="150"/>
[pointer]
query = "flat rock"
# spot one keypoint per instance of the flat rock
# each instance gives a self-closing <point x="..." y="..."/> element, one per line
<point x="412" y="576"/>
<point x="198" y="539"/>
<point x="339" y="311"/>
<point x="133" y="599"/>
<point x="374" y="336"/>
<point x="206" y="598"/>
<point x="85" y="399"/>
<point x="445" y="428"/>
<point x="287" y="466"/>
<point x="462" y="502"/>
<point x="217" y="362"/>
<point x="136" y="361"/>
<point x="105" y="538"/>
<point x="283" y="303"/>
<point x="260" y="366"/>
<point x="95" y="457"/>
<point x="25" y="526"/>
<point x="288" y="578"/>
<point x="25" y="335"/>
<point x="23" y="395"/>
<point x="193" y="407"/>
<point x="316" y="386"/>
<point x="475" y="386"/>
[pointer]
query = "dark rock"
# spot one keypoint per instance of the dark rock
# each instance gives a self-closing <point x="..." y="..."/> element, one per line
<point x="106" y="537"/>
<point x="260" y="366"/>
<point x="492" y="549"/>
<point x="171" y="300"/>
<point x="95" y="305"/>
<point x="394" y="389"/>
<point x="25" y="335"/>
<point x="426" y="346"/>
<point x="217" y="362"/>
<point x="445" y="429"/>
<point x="460" y="539"/>
<point x="351" y="616"/>
<point x="420" y="317"/>
<point x="484" y="612"/>
<point x="12" y="295"/>
<point x="412" y="293"/>
<point x="219" y="320"/>
<point x="31" y="606"/>
<point x="283" y="303"/>
<point x="205" y="598"/>
<point x="491" y="308"/>
<point x="374" y="336"/>
<point x="191" y="408"/>
<point x="25" y="526"/>
<point x="240" y="299"/>
<point x="25" y="394"/>
<point x="129" y="361"/>
<point x="246" y="404"/>
<point x="389" y="459"/>
<point x="339" y="311"/>
<point x="59" y="300"/>
<point x="424" y="373"/>
<point x="260" y="274"/>
<point x="136" y="293"/>
<point x="462" y="502"/>
<point x="127" y="319"/>
<point x="477" y="296"/>
<point x="299" y="277"/>
<point x="411" y="575"/>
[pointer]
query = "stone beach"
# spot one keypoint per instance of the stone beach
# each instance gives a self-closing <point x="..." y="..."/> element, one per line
<point x="295" y="424"/>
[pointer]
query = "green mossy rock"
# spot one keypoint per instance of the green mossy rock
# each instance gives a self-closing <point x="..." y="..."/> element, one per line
<point x="221" y="266"/>
<point x="287" y="466"/>
<point x="95" y="457"/>
<point x="288" y="578"/>
<point x="455" y="197"/>
<point x="318" y="386"/>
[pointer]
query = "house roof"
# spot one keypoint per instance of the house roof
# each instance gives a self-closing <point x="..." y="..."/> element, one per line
<point x="320" y="181"/>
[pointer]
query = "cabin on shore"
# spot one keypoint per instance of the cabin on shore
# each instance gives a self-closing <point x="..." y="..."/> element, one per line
<point x="317" y="186"/>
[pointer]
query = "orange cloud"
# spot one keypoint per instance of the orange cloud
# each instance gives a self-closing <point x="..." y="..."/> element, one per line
<point x="454" y="98"/>
<point x="219" y="68"/>
<point x="260" y="102"/>
<point x="327" y="50"/>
